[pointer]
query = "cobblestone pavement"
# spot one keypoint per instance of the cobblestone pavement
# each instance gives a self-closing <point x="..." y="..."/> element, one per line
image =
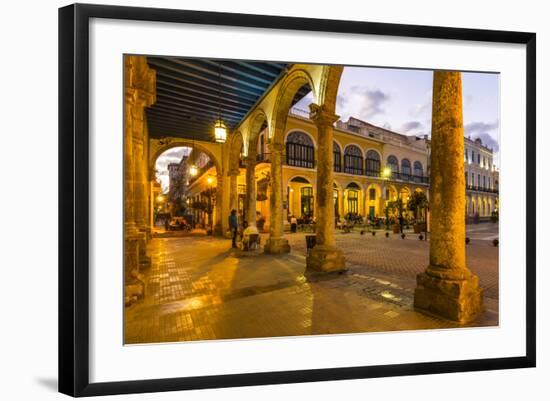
<point x="200" y="289"/>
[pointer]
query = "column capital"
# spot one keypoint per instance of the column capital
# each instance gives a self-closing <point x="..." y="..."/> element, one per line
<point x="276" y="147"/>
<point x="250" y="160"/>
<point x="321" y="116"/>
<point x="233" y="172"/>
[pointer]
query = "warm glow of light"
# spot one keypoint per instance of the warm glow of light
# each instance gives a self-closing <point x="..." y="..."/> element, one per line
<point x="386" y="173"/>
<point x="220" y="132"/>
<point x="193" y="170"/>
<point x="160" y="199"/>
<point x="209" y="180"/>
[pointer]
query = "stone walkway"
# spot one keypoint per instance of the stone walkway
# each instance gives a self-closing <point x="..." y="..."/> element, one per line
<point x="201" y="289"/>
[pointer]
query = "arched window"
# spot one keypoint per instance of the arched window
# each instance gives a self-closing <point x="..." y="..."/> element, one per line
<point x="373" y="163"/>
<point x="337" y="153"/>
<point x="419" y="172"/>
<point x="300" y="151"/>
<point x="393" y="164"/>
<point x="405" y="169"/>
<point x="353" y="160"/>
<point x="353" y="201"/>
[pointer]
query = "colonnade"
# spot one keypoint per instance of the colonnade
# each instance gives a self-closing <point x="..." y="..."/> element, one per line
<point x="446" y="288"/>
<point x="139" y="93"/>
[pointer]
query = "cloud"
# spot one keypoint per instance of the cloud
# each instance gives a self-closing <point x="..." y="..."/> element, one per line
<point x="483" y="130"/>
<point x="411" y="126"/>
<point x="362" y="102"/>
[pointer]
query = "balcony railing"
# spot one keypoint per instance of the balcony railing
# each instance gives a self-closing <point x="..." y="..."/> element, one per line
<point x="481" y="189"/>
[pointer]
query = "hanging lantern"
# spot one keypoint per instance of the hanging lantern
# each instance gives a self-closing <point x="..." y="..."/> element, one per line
<point x="220" y="132"/>
<point x="193" y="170"/>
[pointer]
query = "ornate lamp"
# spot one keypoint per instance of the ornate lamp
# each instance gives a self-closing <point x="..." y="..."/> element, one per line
<point x="220" y="131"/>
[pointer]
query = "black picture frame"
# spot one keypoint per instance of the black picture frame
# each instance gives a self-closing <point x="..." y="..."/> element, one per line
<point x="74" y="198"/>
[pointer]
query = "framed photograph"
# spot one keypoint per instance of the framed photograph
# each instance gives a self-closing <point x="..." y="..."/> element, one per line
<point x="251" y="199"/>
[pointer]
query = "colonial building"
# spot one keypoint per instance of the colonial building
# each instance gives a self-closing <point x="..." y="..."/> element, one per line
<point x="372" y="166"/>
<point x="481" y="176"/>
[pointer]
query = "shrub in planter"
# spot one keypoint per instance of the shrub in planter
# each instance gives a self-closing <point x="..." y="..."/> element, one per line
<point x="419" y="228"/>
<point x="396" y="228"/>
<point x="495" y="242"/>
<point x="403" y="236"/>
<point x="467" y="240"/>
<point x="387" y="234"/>
<point x="420" y="237"/>
<point x="373" y="233"/>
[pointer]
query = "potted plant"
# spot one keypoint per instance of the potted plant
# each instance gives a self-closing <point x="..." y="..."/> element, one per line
<point x="418" y="202"/>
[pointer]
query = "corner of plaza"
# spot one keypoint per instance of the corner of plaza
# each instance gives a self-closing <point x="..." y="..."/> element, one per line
<point x="279" y="221"/>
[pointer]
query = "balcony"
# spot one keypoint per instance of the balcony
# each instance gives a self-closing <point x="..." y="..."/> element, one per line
<point x="481" y="189"/>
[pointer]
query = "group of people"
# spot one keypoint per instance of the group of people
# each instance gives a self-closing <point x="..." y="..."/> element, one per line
<point x="306" y="219"/>
<point x="247" y="232"/>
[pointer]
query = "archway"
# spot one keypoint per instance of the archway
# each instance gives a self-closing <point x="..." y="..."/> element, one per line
<point x="373" y="201"/>
<point x="301" y="198"/>
<point x="190" y="186"/>
<point x="353" y="204"/>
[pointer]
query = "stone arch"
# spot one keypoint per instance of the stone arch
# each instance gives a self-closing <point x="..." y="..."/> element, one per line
<point x="300" y="176"/>
<point x="288" y="89"/>
<point x="235" y="145"/>
<point x="163" y="146"/>
<point x="328" y="87"/>
<point x="257" y="120"/>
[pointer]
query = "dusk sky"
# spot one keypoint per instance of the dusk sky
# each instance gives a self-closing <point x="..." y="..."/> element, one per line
<point x="401" y="100"/>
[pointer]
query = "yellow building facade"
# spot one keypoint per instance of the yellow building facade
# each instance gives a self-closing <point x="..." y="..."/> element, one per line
<point x="372" y="166"/>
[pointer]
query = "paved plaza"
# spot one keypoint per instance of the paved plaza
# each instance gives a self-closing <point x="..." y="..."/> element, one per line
<point x="198" y="288"/>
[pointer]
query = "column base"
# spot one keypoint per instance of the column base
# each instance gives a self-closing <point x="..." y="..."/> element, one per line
<point x="276" y="245"/>
<point x="325" y="259"/>
<point x="134" y="287"/>
<point x="457" y="299"/>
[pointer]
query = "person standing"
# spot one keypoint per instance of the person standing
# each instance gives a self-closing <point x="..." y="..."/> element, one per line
<point x="234" y="227"/>
<point x="293" y="223"/>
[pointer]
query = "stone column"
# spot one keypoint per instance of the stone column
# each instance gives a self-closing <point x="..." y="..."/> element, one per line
<point x="218" y="222"/>
<point x="139" y="92"/>
<point x="233" y="190"/>
<point x="251" y="190"/>
<point x="447" y="288"/>
<point x="324" y="256"/>
<point x="140" y="207"/>
<point x="276" y="243"/>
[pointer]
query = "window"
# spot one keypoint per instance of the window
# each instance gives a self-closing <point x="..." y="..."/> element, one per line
<point x="466" y="178"/>
<point x="473" y="180"/>
<point x="373" y="163"/>
<point x="466" y="155"/>
<point x="353" y="160"/>
<point x="473" y="158"/>
<point x="300" y="150"/>
<point x="353" y="201"/>
<point x="478" y="180"/>
<point x="394" y="166"/>
<point x="306" y="201"/>
<point x="478" y="158"/>
<point x="405" y="169"/>
<point x="372" y="194"/>
<point x="337" y="154"/>
<point x="484" y="184"/>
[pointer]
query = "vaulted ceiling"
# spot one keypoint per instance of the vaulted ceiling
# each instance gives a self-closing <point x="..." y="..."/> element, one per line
<point x="191" y="93"/>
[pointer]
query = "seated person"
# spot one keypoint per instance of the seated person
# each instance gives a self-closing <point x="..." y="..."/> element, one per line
<point x="246" y="236"/>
